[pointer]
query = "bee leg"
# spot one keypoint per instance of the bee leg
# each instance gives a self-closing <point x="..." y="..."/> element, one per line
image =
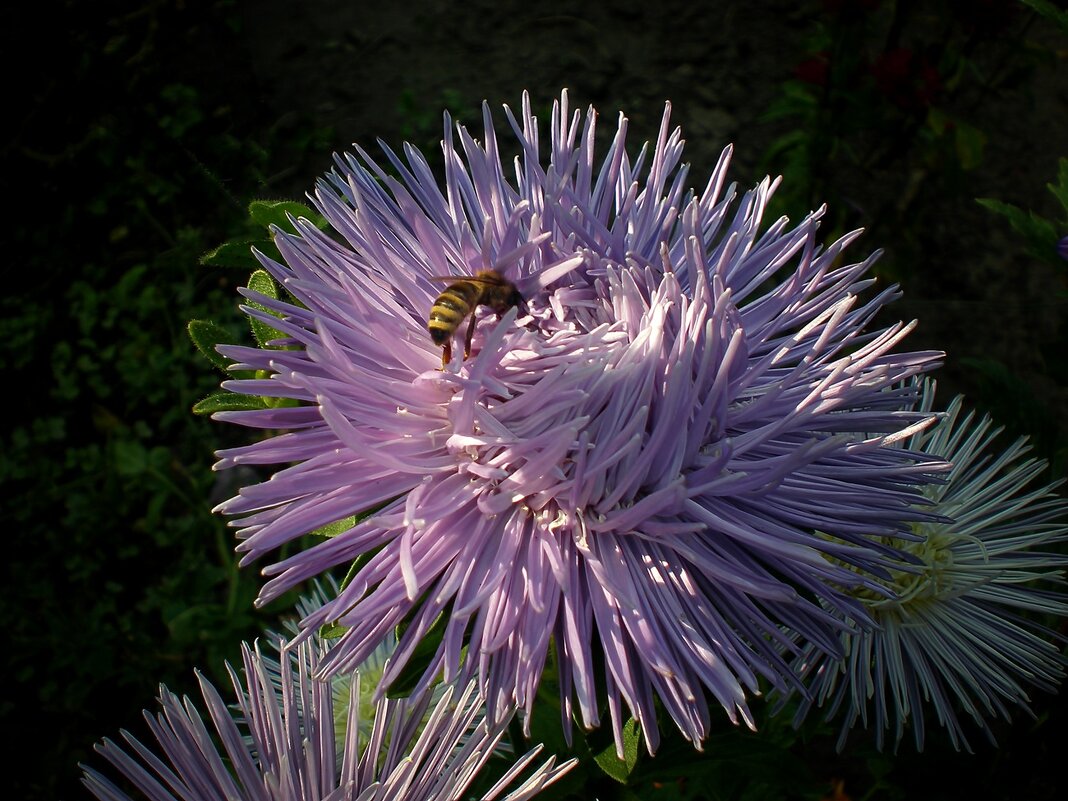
<point x="470" y="335"/>
<point x="446" y="354"/>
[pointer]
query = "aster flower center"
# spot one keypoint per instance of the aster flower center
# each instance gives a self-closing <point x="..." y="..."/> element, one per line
<point x="604" y="407"/>
<point x="931" y="580"/>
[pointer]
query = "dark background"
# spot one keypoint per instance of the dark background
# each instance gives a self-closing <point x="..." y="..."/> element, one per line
<point x="137" y="134"/>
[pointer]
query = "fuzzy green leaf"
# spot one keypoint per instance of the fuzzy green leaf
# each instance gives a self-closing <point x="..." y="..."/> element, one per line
<point x="239" y="254"/>
<point x="608" y="761"/>
<point x="277" y="212"/>
<point x="206" y="335"/>
<point x="224" y="401"/>
<point x="335" y="528"/>
<point x="261" y="281"/>
<point x="331" y="631"/>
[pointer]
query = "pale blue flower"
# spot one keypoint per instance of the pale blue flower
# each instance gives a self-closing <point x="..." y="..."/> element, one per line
<point x="962" y="630"/>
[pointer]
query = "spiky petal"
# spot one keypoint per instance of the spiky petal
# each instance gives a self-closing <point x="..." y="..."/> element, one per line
<point x="284" y="748"/>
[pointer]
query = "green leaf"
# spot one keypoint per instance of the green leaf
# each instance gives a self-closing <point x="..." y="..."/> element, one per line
<point x="262" y="282"/>
<point x="238" y="253"/>
<point x="131" y="458"/>
<point x="276" y="212"/>
<point x="1040" y="233"/>
<point x="206" y="335"/>
<point x="1048" y="10"/>
<point x="331" y="631"/>
<point x="224" y="401"/>
<point x="335" y="528"/>
<point x="969" y="143"/>
<point x="608" y="761"/>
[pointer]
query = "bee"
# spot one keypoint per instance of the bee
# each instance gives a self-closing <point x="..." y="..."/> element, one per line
<point x="459" y="300"/>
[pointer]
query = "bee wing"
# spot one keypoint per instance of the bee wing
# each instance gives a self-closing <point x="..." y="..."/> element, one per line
<point x="477" y="279"/>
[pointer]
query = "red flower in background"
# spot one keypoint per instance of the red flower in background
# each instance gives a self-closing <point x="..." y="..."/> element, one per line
<point x="906" y="78"/>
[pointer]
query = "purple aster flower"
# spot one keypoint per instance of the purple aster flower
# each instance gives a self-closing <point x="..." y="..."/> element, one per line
<point x="413" y="750"/>
<point x="1062" y="248"/>
<point x="630" y="465"/>
<point x="954" y="633"/>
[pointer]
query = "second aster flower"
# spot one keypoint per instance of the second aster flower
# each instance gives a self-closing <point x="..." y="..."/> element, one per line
<point x="630" y="466"/>
<point x="958" y="629"/>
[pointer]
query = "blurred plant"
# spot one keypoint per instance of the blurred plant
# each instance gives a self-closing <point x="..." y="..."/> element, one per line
<point x="1014" y="403"/>
<point x="1046" y="239"/>
<point x="887" y="91"/>
<point x="115" y="574"/>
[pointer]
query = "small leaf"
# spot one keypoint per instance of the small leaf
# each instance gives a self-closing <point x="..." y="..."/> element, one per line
<point x="1048" y="10"/>
<point x="1040" y="233"/>
<point x="130" y="457"/>
<point x="335" y="528"/>
<point x="239" y="254"/>
<point x="969" y="142"/>
<point x="206" y="335"/>
<point x="262" y="282"/>
<point x="331" y="631"/>
<point x="938" y="121"/>
<point x="224" y="401"/>
<point x="276" y="212"/>
<point x="608" y="761"/>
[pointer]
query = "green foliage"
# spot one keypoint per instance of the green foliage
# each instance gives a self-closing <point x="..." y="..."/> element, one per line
<point x="1040" y="234"/>
<point x="881" y="94"/>
<point x="1047" y="9"/>
<point x="224" y="401"/>
<point x="609" y="760"/>
<point x="261" y="282"/>
<point x="206" y="335"/>
<point x="280" y="213"/>
<point x="239" y="254"/>
<point x="119" y="577"/>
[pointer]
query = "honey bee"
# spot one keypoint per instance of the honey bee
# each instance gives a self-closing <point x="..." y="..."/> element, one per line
<point x="459" y="300"/>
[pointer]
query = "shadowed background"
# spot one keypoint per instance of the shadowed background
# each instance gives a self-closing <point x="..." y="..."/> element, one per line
<point x="138" y="134"/>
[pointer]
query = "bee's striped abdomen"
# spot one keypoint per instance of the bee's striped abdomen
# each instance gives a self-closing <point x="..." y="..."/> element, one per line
<point x="452" y="306"/>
